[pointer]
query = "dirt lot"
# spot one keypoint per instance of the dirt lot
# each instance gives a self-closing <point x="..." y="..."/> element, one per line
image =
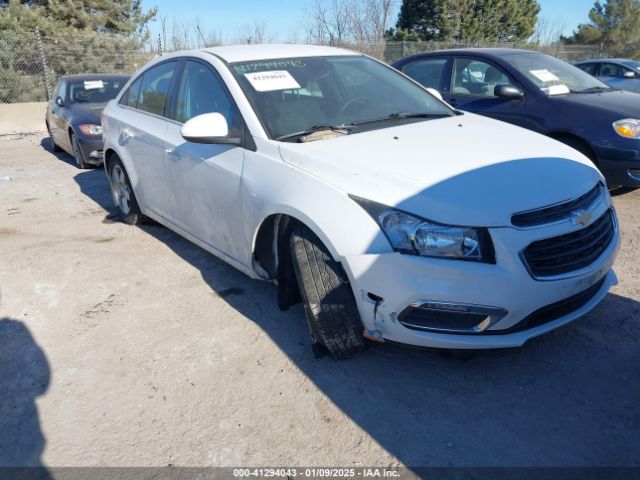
<point x="128" y="346"/>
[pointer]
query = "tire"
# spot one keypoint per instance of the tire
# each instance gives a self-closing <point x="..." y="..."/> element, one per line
<point x="584" y="149"/>
<point x="52" y="143"/>
<point x="123" y="195"/>
<point x="330" y="306"/>
<point x="77" y="152"/>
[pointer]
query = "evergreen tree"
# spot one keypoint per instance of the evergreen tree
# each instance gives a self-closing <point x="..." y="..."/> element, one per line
<point x="614" y="26"/>
<point x="470" y="21"/>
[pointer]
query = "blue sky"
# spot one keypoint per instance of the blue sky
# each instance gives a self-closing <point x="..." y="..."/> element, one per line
<point x="282" y="17"/>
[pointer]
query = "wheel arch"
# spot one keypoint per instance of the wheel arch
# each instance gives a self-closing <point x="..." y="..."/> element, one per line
<point x="564" y="134"/>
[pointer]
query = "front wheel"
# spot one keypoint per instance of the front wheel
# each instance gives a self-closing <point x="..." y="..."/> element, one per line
<point x="123" y="195"/>
<point x="330" y="307"/>
<point x="77" y="152"/>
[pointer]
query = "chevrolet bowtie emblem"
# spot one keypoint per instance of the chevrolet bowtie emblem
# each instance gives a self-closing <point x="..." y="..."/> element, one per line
<point x="581" y="218"/>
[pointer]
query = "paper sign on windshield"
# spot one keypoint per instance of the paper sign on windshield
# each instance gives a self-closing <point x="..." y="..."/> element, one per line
<point x="272" y="80"/>
<point x="557" y="89"/>
<point x="93" y="84"/>
<point x="544" y="75"/>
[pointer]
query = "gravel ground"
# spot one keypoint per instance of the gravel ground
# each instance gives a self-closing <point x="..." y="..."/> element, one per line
<point x="125" y="346"/>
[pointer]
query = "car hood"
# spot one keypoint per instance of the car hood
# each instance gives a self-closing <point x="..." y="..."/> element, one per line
<point x="619" y="103"/>
<point x="86" y="112"/>
<point x="464" y="170"/>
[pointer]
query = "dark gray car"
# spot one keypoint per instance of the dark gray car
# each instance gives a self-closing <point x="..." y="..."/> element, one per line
<point x="73" y="115"/>
<point x="616" y="72"/>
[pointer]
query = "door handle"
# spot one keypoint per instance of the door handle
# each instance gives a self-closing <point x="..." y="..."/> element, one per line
<point x="171" y="152"/>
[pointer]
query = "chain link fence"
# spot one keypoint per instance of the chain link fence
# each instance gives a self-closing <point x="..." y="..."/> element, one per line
<point x="31" y="64"/>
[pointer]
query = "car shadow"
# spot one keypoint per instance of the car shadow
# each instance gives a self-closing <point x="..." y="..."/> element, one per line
<point x="24" y="376"/>
<point x="568" y="398"/>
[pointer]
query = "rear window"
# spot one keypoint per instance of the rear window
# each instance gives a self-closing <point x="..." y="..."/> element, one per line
<point x="95" y="90"/>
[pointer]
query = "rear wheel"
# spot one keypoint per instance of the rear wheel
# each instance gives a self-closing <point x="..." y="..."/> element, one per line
<point x="77" y="152"/>
<point x="122" y="193"/>
<point x="330" y="306"/>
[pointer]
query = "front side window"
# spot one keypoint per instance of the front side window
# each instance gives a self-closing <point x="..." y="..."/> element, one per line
<point x="612" y="70"/>
<point x="130" y="97"/>
<point x="554" y="76"/>
<point x="154" y="89"/>
<point x="590" y="68"/>
<point x="62" y="90"/>
<point x="201" y="91"/>
<point x="292" y="95"/>
<point x="94" y="90"/>
<point x="429" y="72"/>
<point x="475" y="77"/>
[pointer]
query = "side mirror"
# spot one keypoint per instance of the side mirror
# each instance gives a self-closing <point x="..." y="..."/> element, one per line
<point x="629" y="74"/>
<point x="435" y="93"/>
<point x="59" y="102"/>
<point x="508" y="91"/>
<point x="208" y="128"/>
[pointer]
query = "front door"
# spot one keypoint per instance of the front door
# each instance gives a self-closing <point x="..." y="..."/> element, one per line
<point x="205" y="178"/>
<point x="472" y="89"/>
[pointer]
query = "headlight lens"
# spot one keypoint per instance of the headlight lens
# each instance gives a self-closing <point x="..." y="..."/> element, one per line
<point x="90" y="129"/>
<point x="416" y="236"/>
<point x="627" y="128"/>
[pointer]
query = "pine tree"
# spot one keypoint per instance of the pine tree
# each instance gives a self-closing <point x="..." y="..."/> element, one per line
<point x="470" y="21"/>
<point x="614" y="26"/>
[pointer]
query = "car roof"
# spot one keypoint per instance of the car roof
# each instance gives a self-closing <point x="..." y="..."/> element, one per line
<point x="96" y="76"/>
<point x="483" y="52"/>
<point x="246" y="53"/>
<point x="607" y="60"/>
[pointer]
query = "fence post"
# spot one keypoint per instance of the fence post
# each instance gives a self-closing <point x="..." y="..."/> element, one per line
<point x="43" y="59"/>
<point x="159" y="45"/>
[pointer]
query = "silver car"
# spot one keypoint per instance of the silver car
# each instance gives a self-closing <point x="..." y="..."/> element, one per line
<point x="616" y="72"/>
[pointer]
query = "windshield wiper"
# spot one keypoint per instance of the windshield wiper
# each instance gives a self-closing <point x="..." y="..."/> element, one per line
<point x="398" y="116"/>
<point x="592" y="90"/>
<point x="313" y="129"/>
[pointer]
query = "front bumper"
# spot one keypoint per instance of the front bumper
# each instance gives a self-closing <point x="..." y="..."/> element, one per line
<point x="91" y="149"/>
<point x="619" y="162"/>
<point x="403" y="281"/>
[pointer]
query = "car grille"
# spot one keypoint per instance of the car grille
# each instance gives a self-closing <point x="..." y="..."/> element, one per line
<point x="554" y="311"/>
<point x="570" y="252"/>
<point x="557" y="212"/>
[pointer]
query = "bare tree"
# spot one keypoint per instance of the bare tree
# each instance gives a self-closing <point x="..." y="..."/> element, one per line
<point x="547" y="31"/>
<point x="184" y="34"/>
<point x="342" y="22"/>
<point x="255" y="32"/>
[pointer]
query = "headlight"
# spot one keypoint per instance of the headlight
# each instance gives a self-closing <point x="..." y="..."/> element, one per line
<point x="627" y="128"/>
<point x="416" y="236"/>
<point x="90" y="129"/>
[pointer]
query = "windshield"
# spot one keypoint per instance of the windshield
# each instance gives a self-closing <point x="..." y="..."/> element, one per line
<point x="633" y="64"/>
<point x="95" y="90"/>
<point x="298" y="94"/>
<point x="554" y="76"/>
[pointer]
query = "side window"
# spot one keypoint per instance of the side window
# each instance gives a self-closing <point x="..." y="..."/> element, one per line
<point x="475" y="77"/>
<point x="62" y="90"/>
<point x="611" y="70"/>
<point x="201" y="91"/>
<point x="130" y="97"/>
<point x="155" y="88"/>
<point x="590" y="68"/>
<point x="429" y="72"/>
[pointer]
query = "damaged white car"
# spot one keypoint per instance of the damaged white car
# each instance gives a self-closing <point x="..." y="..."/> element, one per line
<point x="386" y="212"/>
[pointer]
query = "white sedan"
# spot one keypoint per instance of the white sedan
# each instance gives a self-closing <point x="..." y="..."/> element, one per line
<point x="387" y="213"/>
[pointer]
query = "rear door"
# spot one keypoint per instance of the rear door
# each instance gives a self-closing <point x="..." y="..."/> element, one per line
<point x="143" y="134"/>
<point x="204" y="185"/>
<point x="473" y="81"/>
